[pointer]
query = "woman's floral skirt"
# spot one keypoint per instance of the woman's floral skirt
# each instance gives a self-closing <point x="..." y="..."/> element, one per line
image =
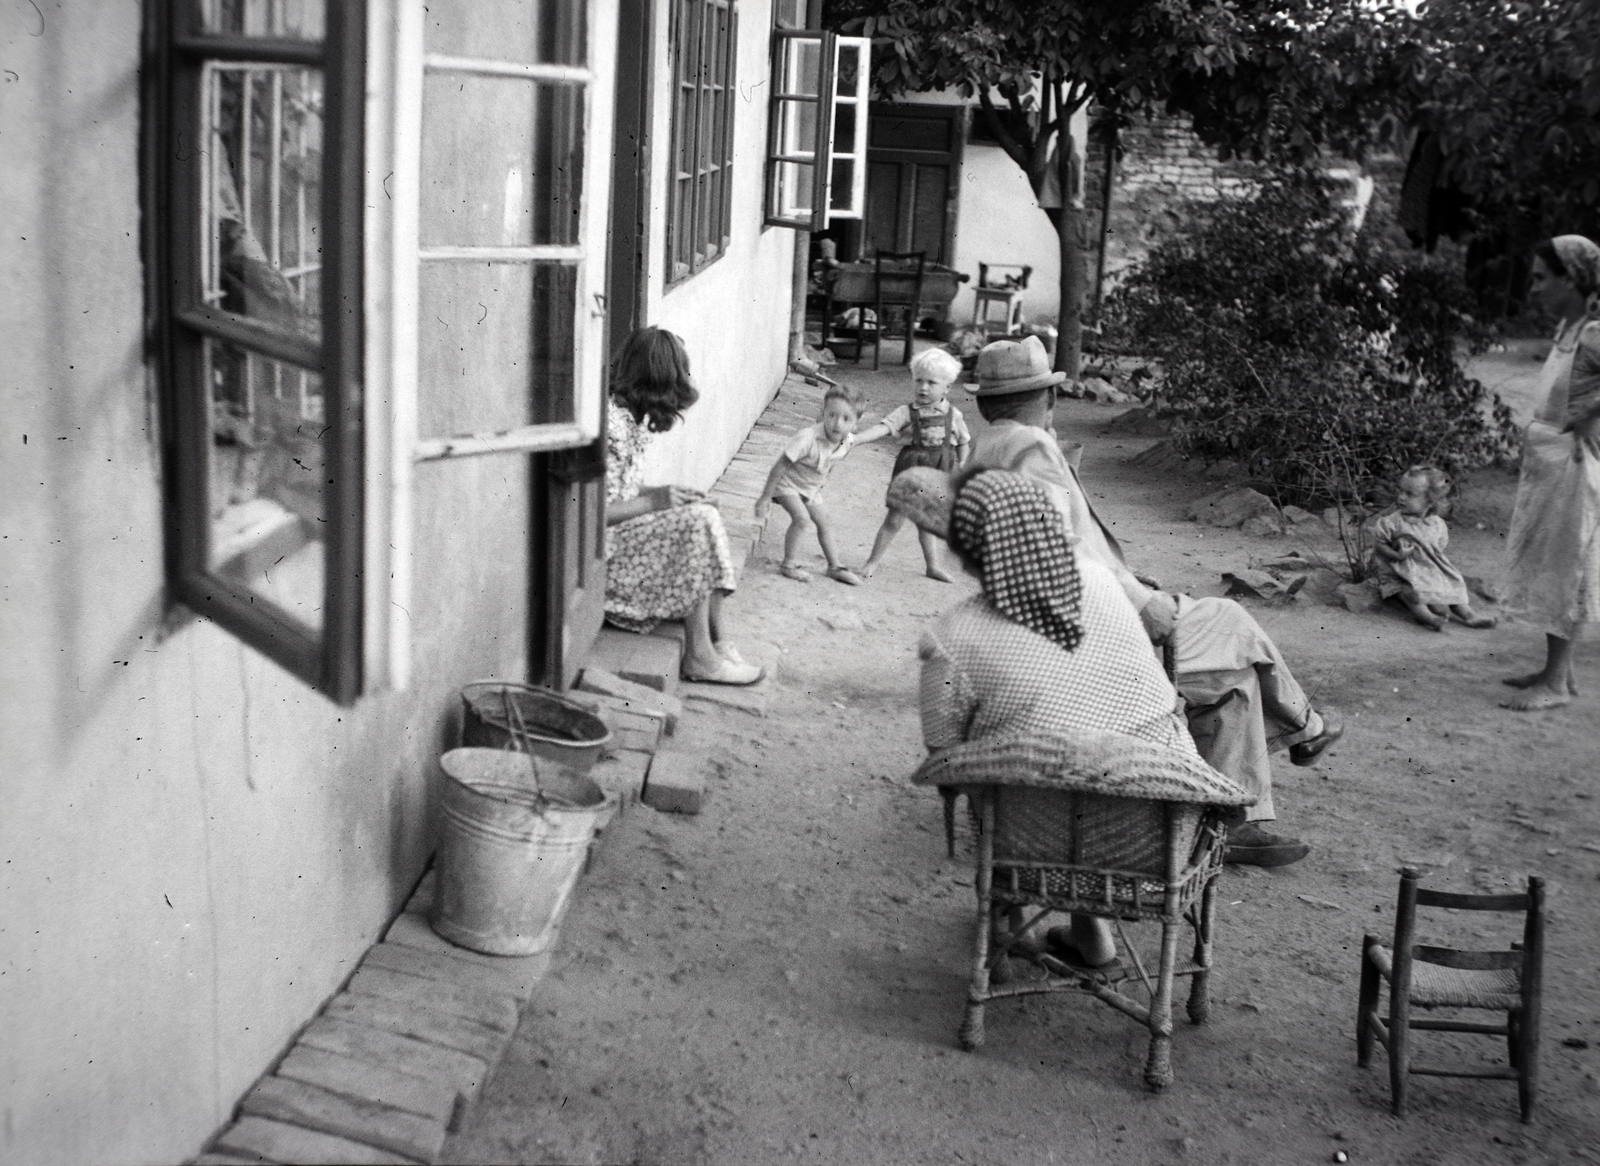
<point x="660" y="565"/>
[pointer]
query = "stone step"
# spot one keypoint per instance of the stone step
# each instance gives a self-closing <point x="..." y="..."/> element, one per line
<point x="652" y="661"/>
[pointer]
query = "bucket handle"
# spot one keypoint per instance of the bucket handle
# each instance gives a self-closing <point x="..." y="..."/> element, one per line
<point x="518" y="734"/>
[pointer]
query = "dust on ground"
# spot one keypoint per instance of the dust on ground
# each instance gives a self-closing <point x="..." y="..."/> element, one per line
<point x="780" y="979"/>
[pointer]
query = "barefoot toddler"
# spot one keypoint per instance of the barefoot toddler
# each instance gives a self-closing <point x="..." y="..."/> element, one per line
<point x="796" y="480"/>
<point x="939" y="438"/>
<point x="1409" y="543"/>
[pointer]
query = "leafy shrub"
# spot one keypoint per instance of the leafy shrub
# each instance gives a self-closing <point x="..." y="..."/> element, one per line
<point x="1324" y="365"/>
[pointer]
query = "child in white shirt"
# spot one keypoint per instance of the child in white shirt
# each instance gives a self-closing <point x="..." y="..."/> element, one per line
<point x="796" y="479"/>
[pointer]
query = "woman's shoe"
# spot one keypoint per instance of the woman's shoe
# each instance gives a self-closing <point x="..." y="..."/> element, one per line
<point x="729" y="653"/>
<point x="726" y="672"/>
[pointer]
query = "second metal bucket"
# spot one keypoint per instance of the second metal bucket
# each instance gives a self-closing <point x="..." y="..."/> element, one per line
<point x="513" y="839"/>
<point x="501" y="714"/>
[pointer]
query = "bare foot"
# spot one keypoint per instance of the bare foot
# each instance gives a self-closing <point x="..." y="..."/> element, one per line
<point x="1434" y="623"/>
<point x="796" y="572"/>
<point x="868" y="570"/>
<point x="1480" y="621"/>
<point x="1537" y="697"/>
<point x="940" y="574"/>
<point x="1534" y="679"/>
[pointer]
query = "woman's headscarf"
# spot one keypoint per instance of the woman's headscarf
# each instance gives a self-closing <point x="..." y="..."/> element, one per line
<point x="1581" y="257"/>
<point x="1006" y="526"/>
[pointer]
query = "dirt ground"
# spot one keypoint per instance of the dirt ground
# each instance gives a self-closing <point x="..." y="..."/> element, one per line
<point x="780" y="979"/>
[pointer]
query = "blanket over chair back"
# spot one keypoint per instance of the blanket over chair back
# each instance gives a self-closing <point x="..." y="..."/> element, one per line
<point x="1113" y="764"/>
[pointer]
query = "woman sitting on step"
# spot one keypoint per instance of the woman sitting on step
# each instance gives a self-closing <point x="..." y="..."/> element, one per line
<point x="666" y="550"/>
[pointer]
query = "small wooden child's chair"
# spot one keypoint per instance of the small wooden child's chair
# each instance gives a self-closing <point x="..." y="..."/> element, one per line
<point x="1420" y="976"/>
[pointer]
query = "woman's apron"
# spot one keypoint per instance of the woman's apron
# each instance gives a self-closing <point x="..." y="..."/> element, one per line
<point x="1553" y="556"/>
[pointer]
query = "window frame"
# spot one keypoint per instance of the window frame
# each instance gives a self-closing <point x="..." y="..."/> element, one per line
<point x="709" y="213"/>
<point x="179" y="323"/>
<point x="822" y="155"/>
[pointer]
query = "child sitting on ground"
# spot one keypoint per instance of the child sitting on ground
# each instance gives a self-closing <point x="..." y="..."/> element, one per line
<point x="939" y="438"/>
<point x="797" y="478"/>
<point x="1409" y="544"/>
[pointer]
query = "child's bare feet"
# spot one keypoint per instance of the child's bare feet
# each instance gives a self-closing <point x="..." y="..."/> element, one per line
<point x="842" y="574"/>
<point x="868" y="570"/>
<point x="796" y="572"/>
<point x="1426" y="618"/>
<point x="939" y="573"/>
<point x="1472" y="619"/>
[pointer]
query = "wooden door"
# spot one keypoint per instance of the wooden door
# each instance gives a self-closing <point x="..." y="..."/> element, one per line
<point x="913" y="175"/>
<point x="569" y="487"/>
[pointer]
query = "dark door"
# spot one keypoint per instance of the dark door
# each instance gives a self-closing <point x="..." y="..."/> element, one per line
<point x="570" y="487"/>
<point x="913" y="167"/>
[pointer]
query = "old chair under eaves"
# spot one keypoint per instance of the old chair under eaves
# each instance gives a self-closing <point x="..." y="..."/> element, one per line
<point x="1099" y="824"/>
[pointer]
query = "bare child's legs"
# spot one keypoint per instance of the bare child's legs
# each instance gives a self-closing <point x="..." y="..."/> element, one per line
<point x="807" y="515"/>
<point x="892" y="522"/>
<point x="1552" y="686"/>
<point x="1464" y="613"/>
<point x="1420" y="611"/>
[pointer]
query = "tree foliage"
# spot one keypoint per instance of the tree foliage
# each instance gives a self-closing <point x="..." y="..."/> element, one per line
<point x="1324" y="365"/>
<point x="1512" y="90"/>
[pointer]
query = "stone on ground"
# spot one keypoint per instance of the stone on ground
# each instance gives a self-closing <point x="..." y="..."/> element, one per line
<point x="677" y="782"/>
<point x="1232" y="507"/>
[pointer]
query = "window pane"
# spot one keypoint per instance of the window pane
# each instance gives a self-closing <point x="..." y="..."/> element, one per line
<point x="543" y="32"/>
<point x="796" y="186"/>
<point x="797" y="128"/>
<point x="294" y="19"/>
<point x="269" y="477"/>
<point x="261" y="243"/>
<point x="841" y="185"/>
<point x="802" y="67"/>
<point x="844" y="128"/>
<point x="502" y="161"/>
<point x="847" y="73"/>
<point x="496" y="346"/>
<point x="789" y="13"/>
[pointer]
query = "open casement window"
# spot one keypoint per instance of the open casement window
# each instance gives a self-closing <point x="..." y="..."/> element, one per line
<point x="705" y="44"/>
<point x="515" y="131"/>
<point x="817" y="138"/>
<point x="252" y="157"/>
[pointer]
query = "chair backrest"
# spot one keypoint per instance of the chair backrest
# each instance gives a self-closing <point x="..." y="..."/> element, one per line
<point x="1529" y="955"/>
<point x="898" y="275"/>
<point x="1015" y="275"/>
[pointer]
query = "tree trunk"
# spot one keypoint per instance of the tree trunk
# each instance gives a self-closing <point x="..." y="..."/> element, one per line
<point x="1069" y="230"/>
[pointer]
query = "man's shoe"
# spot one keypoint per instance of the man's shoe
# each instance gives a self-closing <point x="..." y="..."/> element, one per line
<point x="1307" y="752"/>
<point x="1250" y="845"/>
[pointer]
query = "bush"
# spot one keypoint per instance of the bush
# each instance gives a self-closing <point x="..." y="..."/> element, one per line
<point x="1324" y="365"/>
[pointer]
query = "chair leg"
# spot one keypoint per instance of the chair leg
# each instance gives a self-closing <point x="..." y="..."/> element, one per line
<point x="970" y="1035"/>
<point x="1368" y="1000"/>
<point x="1399" y="1050"/>
<point x="1527" y="1063"/>
<point x="1158" y="1069"/>
<point x="1513" y="1040"/>
<point x="1200" y="983"/>
<point x="1000" y="934"/>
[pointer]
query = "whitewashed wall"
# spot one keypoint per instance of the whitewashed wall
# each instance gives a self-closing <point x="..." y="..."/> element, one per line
<point x="734" y="314"/>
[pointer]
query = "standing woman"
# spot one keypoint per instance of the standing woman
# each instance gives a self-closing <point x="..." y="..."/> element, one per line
<point x="1554" y="543"/>
<point x="666" y="550"/>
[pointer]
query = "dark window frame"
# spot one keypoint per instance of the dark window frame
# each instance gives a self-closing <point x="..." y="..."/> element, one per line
<point x="178" y="323"/>
<point x="699" y="223"/>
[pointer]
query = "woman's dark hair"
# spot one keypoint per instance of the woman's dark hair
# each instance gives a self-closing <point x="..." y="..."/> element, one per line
<point x="651" y="379"/>
<point x="1546" y="252"/>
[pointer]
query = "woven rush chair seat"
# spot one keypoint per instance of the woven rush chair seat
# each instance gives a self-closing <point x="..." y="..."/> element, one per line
<point x="1432" y="986"/>
<point x="1096" y="824"/>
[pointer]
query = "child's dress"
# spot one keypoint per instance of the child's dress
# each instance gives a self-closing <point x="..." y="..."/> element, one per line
<point x="810" y="458"/>
<point x="935" y="434"/>
<point x="1428" y="573"/>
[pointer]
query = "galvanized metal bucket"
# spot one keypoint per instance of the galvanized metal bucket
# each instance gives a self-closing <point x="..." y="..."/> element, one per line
<point x="514" y="835"/>
<point x="503" y="714"/>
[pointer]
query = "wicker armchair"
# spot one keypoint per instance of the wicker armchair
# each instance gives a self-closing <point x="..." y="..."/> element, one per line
<point x="1105" y="825"/>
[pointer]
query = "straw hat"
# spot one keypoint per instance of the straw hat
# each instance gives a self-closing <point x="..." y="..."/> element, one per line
<point x="1015" y="366"/>
<point x="923" y="495"/>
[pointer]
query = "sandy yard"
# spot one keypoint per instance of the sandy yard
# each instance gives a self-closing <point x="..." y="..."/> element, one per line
<point x="780" y="979"/>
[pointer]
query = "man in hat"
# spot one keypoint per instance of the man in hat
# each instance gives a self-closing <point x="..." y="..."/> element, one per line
<point x="1242" y="699"/>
